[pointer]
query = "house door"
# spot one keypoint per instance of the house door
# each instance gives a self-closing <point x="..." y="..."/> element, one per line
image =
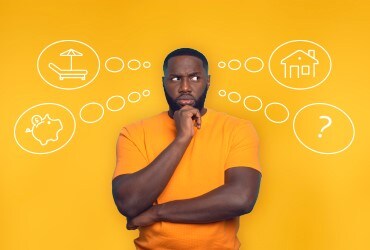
<point x="294" y="71"/>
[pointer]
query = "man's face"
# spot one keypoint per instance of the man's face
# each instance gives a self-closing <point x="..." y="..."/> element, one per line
<point x="185" y="82"/>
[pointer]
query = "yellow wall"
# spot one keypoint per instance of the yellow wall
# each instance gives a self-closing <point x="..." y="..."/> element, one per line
<point x="307" y="200"/>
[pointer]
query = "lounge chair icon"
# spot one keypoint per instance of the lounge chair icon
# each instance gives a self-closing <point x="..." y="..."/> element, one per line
<point x="69" y="73"/>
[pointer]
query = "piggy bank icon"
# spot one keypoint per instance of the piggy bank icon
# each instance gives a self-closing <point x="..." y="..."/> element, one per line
<point x="45" y="129"/>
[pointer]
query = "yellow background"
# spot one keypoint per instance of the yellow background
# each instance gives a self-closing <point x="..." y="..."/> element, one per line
<point x="63" y="200"/>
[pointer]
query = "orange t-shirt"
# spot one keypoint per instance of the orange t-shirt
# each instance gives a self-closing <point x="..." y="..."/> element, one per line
<point x="222" y="142"/>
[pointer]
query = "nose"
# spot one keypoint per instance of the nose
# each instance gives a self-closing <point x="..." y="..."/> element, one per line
<point x="185" y="85"/>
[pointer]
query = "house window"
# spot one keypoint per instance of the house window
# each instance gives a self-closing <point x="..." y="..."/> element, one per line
<point x="305" y="70"/>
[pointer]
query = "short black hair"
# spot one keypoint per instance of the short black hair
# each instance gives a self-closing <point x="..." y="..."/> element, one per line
<point x="185" y="52"/>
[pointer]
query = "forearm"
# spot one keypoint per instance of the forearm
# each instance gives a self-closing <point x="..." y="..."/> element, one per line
<point x="136" y="192"/>
<point x="222" y="203"/>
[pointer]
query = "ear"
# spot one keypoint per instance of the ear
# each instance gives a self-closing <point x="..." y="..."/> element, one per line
<point x="208" y="81"/>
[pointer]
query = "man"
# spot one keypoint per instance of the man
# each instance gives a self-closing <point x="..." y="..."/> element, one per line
<point x="184" y="177"/>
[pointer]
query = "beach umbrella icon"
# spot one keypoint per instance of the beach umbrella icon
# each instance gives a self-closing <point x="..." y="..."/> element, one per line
<point x="71" y="53"/>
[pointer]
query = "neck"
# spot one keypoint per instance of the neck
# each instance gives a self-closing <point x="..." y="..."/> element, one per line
<point x="202" y="112"/>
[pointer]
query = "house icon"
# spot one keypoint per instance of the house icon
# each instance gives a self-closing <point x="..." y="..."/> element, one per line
<point x="300" y="63"/>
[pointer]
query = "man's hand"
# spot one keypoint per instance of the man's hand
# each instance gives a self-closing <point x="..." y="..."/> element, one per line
<point x="184" y="120"/>
<point x="144" y="219"/>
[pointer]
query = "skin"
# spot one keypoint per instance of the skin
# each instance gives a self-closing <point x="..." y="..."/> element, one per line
<point x="185" y="84"/>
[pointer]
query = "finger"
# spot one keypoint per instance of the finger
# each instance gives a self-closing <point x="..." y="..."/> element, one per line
<point x="130" y="226"/>
<point x="193" y="113"/>
<point x="198" y="118"/>
<point x="186" y="108"/>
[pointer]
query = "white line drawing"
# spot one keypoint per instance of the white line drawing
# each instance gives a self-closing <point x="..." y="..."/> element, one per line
<point x="55" y="85"/>
<point x="234" y="60"/>
<point x="146" y="92"/>
<point x="299" y="41"/>
<point x="328" y="124"/>
<point x="114" y="58"/>
<point x="89" y="104"/>
<point x="71" y="53"/>
<point x="69" y="73"/>
<point x="234" y="93"/>
<point x="146" y="64"/>
<point x="115" y="96"/>
<point x="314" y="150"/>
<point x="131" y="61"/>
<point x="254" y="58"/>
<point x="300" y="62"/>
<point x="65" y="73"/>
<point x="52" y="127"/>
<point x="255" y="97"/>
<point x="221" y="64"/>
<point x="280" y="104"/>
<point x="134" y="93"/>
<point x="35" y="106"/>
<point x="222" y="93"/>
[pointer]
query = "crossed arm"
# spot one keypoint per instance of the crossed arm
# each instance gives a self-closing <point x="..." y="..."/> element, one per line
<point x="135" y="193"/>
<point x="236" y="197"/>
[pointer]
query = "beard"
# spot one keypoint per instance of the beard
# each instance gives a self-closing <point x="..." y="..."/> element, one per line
<point x="198" y="104"/>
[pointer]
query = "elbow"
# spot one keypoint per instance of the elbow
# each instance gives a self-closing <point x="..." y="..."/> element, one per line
<point x="244" y="204"/>
<point x="125" y="209"/>
<point x="247" y="205"/>
<point x="121" y="206"/>
<point x="124" y="205"/>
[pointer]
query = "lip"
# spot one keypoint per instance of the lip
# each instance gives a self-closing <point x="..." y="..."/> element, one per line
<point x="185" y="97"/>
<point x="185" y="101"/>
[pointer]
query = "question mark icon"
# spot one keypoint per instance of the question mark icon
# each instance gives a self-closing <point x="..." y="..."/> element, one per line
<point x="327" y="124"/>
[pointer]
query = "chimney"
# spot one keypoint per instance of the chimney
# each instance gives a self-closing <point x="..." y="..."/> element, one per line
<point x="311" y="53"/>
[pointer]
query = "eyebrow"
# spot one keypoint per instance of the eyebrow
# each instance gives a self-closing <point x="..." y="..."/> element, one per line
<point x="177" y="75"/>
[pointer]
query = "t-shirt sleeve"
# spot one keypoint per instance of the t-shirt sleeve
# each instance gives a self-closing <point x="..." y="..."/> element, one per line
<point x="130" y="153"/>
<point x="244" y="147"/>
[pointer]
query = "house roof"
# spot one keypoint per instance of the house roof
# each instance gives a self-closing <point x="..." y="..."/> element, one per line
<point x="299" y="53"/>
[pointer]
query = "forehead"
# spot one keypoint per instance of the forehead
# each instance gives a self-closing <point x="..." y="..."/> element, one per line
<point x="184" y="64"/>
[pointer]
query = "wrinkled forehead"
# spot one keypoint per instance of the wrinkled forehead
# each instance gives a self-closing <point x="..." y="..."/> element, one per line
<point x="184" y="65"/>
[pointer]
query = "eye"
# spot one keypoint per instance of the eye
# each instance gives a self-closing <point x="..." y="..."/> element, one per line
<point x="174" y="79"/>
<point x="194" y="78"/>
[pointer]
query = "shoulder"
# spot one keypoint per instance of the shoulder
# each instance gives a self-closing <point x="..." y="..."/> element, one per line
<point x="233" y="126"/>
<point x="229" y="120"/>
<point x="138" y="127"/>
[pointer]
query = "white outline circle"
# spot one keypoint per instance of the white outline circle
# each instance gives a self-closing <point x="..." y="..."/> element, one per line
<point x="92" y="103"/>
<point x="146" y="91"/>
<point x="221" y="63"/>
<point x="60" y="41"/>
<point x="42" y="104"/>
<point x="115" y="96"/>
<point x="254" y="71"/>
<point x="223" y="92"/>
<point x="233" y="92"/>
<point x="330" y="105"/>
<point x="292" y="41"/>
<point x="147" y="63"/>
<point x="134" y="92"/>
<point x="278" y="103"/>
<point x="117" y="58"/>
<point x="252" y="96"/>
<point x="133" y="60"/>
<point x="234" y="60"/>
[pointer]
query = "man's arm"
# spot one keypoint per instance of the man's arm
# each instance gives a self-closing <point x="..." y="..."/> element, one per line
<point x="236" y="197"/>
<point x="136" y="192"/>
